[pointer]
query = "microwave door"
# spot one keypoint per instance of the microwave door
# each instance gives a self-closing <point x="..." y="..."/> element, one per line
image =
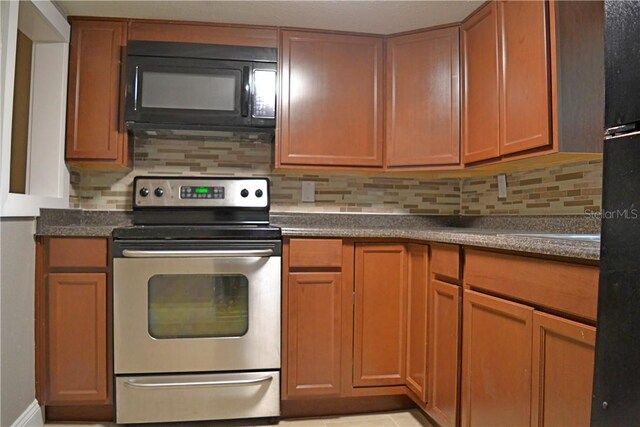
<point x="181" y="91"/>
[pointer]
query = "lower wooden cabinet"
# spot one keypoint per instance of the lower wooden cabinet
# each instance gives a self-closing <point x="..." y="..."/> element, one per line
<point x="563" y="358"/>
<point x="496" y="361"/>
<point x="524" y="367"/>
<point x="444" y="352"/>
<point x="314" y="328"/>
<point x="380" y="315"/>
<point x="418" y="277"/>
<point x="77" y="331"/>
<point x="74" y="374"/>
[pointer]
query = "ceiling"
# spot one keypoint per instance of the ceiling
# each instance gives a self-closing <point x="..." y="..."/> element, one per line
<point x="380" y="16"/>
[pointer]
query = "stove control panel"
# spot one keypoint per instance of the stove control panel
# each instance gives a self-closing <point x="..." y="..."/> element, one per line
<point x="150" y="191"/>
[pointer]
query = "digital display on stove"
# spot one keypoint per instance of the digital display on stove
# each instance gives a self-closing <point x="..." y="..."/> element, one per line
<point x="193" y="192"/>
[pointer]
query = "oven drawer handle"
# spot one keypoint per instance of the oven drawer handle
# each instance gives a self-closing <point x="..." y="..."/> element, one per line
<point x="178" y="384"/>
<point x="129" y="253"/>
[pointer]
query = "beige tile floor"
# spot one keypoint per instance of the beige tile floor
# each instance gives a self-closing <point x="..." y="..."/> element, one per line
<point x="408" y="418"/>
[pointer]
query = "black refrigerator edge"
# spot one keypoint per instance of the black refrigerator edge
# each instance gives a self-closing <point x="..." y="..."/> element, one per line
<point x="616" y="385"/>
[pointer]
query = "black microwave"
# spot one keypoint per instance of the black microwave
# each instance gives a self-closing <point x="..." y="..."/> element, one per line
<point x="199" y="86"/>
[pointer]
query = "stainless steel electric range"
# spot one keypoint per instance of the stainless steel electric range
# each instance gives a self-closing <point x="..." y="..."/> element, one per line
<point x="197" y="302"/>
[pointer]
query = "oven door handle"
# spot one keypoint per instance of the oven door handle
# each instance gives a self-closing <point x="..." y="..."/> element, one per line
<point x="190" y="384"/>
<point x="130" y="253"/>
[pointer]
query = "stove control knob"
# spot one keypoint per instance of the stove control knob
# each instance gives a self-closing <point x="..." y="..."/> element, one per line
<point x="158" y="192"/>
<point x="259" y="193"/>
<point x="244" y="193"/>
<point x="144" y="191"/>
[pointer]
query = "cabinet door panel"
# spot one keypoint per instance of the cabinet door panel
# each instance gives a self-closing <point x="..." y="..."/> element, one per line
<point x="93" y="111"/>
<point x="524" y="89"/>
<point x="444" y="352"/>
<point x="314" y="342"/>
<point x="77" y="337"/>
<point x="331" y="99"/>
<point x="563" y="357"/>
<point x="380" y="315"/>
<point x="423" y="98"/>
<point x="480" y="105"/>
<point x="496" y="365"/>
<point x="417" y="319"/>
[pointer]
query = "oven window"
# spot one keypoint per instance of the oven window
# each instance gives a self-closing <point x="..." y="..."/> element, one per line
<point x="198" y="305"/>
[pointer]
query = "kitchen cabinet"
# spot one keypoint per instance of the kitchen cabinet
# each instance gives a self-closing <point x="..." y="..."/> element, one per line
<point x="77" y="331"/>
<point x="519" y="363"/>
<point x="496" y="361"/>
<point x="480" y="103"/>
<point x="524" y="84"/>
<point x="73" y="316"/>
<point x="313" y="320"/>
<point x="506" y="88"/>
<point x="444" y="335"/>
<point x="331" y="100"/>
<point x="418" y="279"/>
<point x="423" y="99"/>
<point x="380" y="315"/>
<point x="96" y="136"/>
<point x="563" y="360"/>
<point x="520" y="61"/>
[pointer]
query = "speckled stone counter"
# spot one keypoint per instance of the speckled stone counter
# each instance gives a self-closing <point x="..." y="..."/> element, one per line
<point x="81" y="223"/>
<point x="487" y="232"/>
<point x="497" y="232"/>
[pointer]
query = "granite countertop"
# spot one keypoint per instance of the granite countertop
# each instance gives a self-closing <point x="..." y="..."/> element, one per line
<point x="486" y="232"/>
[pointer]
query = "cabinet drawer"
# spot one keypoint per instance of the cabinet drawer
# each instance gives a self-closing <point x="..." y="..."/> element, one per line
<point x="445" y="261"/>
<point x="325" y="253"/>
<point x="78" y="252"/>
<point x="562" y="286"/>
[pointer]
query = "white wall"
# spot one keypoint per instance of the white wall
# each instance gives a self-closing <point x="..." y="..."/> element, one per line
<point x="17" y="341"/>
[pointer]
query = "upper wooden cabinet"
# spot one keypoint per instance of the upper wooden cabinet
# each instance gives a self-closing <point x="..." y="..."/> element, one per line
<point x="96" y="137"/>
<point x="480" y="105"/>
<point x="533" y="80"/>
<point x="525" y="109"/>
<point x="423" y="98"/>
<point x="330" y="104"/>
<point x="507" y="82"/>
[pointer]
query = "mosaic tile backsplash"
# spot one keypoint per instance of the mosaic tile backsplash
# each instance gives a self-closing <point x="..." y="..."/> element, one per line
<point x="334" y="192"/>
<point x="568" y="189"/>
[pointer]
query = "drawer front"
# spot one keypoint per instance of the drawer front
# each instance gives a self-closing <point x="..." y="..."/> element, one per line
<point x="562" y="286"/>
<point x="167" y="398"/>
<point x="304" y="253"/>
<point x="445" y="261"/>
<point x="78" y="252"/>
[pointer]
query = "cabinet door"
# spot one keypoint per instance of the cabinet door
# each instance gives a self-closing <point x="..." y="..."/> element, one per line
<point x="331" y="100"/>
<point x="423" y="98"/>
<point x="496" y="362"/>
<point x="563" y="357"/>
<point x="524" y="89"/>
<point x="77" y="338"/>
<point x="314" y="334"/>
<point x="444" y="352"/>
<point x="380" y="315"/>
<point x="93" y="111"/>
<point x="417" y="319"/>
<point x="480" y="105"/>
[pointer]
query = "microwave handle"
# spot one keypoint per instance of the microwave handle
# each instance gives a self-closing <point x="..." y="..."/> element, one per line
<point x="246" y="95"/>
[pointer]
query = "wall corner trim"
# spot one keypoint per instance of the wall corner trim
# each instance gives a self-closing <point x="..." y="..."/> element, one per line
<point x="30" y="417"/>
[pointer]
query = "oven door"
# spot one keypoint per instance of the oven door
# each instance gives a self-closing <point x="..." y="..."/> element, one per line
<point x="196" y="307"/>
